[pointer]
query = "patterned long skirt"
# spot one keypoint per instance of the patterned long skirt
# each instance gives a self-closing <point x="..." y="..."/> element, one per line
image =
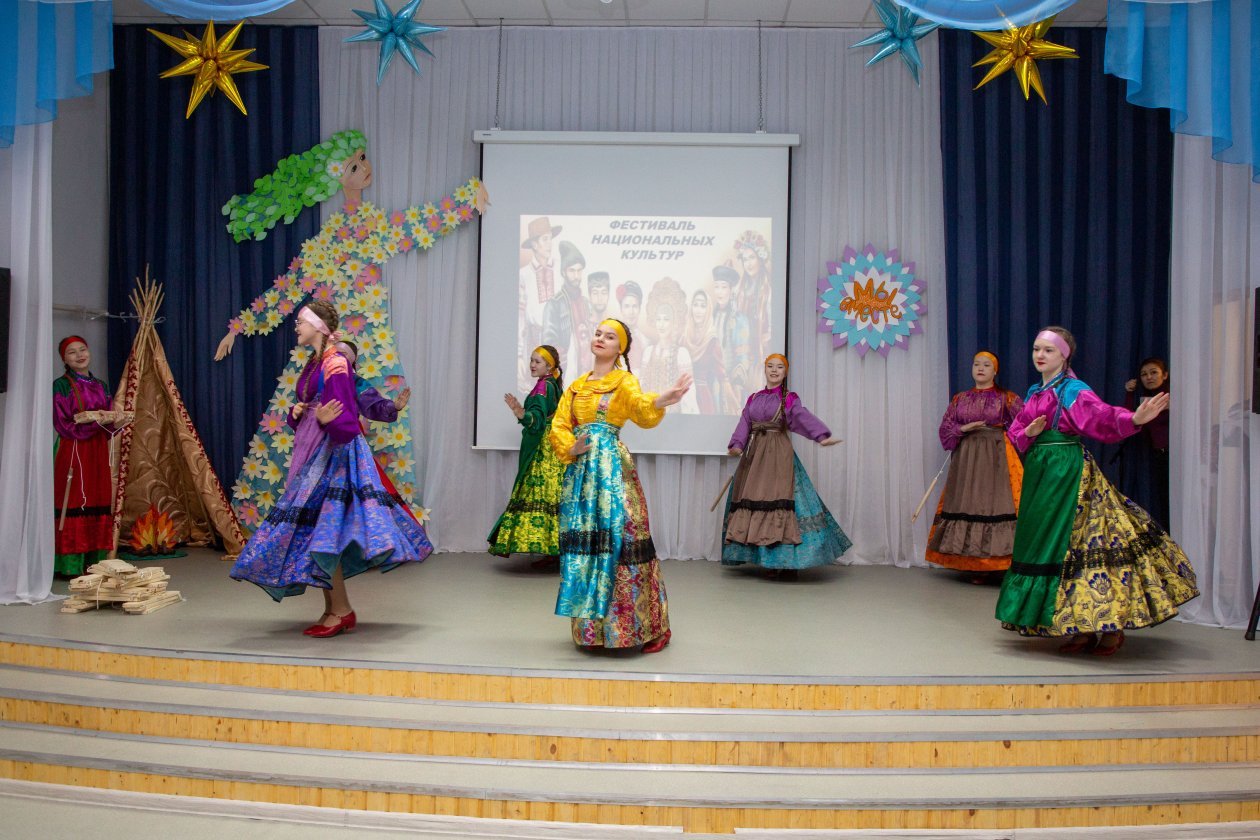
<point x="1086" y="559"/>
<point x="822" y="541"/>
<point x="974" y="529"/>
<point x="531" y="523"/>
<point x="610" y="579"/>
<point x="335" y="511"/>
<point x="87" y="535"/>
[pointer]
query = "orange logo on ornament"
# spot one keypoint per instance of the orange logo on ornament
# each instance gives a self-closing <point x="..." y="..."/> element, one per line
<point x="872" y="304"/>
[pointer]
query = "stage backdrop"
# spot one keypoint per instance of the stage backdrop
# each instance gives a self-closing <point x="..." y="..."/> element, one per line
<point x="868" y="170"/>
<point x="169" y="178"/>
<point x="1056" y="214"/>
<point x="656" y="218"/>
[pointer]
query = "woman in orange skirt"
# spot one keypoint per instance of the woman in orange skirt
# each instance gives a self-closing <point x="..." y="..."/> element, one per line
<point x="974" y="529"/>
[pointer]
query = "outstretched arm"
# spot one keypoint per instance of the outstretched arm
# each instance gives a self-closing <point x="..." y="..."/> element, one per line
<point x="268" y="310"/>
<point x="802" y="421"/>
<point x="436" y="219"/>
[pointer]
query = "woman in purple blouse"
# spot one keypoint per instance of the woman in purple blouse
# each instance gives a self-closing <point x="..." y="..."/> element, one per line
<point x="774" y="518"/>
<point x="974" y="529"/>
<point x="1088" y="563"/>
<point x="336" y="519"/>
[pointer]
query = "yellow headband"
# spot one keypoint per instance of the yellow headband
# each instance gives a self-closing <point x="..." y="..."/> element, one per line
<point x="546" y="355"/>
<point x="780" y="357"/>
<point x="616" y="326"/>
<point x="987" y="355"/>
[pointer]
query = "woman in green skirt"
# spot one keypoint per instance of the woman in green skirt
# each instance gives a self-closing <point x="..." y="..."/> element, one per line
<point x="530" y="525"/>
<point x="1088" y="563"/>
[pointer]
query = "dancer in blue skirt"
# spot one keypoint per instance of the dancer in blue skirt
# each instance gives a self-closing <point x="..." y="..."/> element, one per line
<point x="335" y="519"/>
<point x="774" y="518"/>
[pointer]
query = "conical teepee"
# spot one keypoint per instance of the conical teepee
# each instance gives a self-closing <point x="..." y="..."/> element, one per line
<point x="161" y="462"/>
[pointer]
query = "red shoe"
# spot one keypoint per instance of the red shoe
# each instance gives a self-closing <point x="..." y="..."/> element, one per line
<point x="309" y="630"/>
<point x="1100" y="650"/>
<point x="1078" y="643"/>
<point x="324" y="631"/>
<point x="658" y="644"/>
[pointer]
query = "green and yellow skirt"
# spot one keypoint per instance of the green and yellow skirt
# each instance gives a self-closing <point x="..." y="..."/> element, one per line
<point x="531" y="523"/>
<point x="1086" y="559"/>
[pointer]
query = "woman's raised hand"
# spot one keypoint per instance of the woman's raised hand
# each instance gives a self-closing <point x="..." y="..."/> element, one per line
<point x="1036" y="427"/>
<point x="1149" y="410"/>
<point x="515" y="405"/>
<point x="675" y="393"/>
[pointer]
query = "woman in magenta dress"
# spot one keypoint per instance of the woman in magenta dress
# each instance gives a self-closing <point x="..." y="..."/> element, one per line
<point x="1087" y="562"/>
<point x="82" y="488"/>
<point x="974" y="529"/>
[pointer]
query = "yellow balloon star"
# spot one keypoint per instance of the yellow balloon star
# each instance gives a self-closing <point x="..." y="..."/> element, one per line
<point x="212" y="62"/>
<point x="1018" y="48"/>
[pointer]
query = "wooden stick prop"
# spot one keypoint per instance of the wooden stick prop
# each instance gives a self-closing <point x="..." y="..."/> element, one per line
<point x="721" y="493"/>
<point x="65" y="498"/>
<point x="931" y="487"/>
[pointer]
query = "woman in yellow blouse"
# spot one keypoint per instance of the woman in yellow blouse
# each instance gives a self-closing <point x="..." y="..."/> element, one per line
<point x="610" y="579"/>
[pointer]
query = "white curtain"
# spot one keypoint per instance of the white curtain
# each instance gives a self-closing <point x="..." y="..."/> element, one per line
<point x="26" y="515"/>
<point x="1215" y="270"/>
<point x="868" y="170"/>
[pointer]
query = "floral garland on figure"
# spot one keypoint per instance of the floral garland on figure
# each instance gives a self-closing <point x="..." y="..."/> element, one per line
<point x="342" y="265"/>
<point x="871" y="300"/>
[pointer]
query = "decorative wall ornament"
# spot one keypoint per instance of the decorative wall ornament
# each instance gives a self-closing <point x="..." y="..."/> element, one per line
<point x="870" y="300"/>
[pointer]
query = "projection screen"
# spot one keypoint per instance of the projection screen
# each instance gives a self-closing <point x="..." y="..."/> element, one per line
<point x="682" y="236"/>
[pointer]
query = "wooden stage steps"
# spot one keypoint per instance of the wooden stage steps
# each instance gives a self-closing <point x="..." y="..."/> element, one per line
<point x="633" y="749"/>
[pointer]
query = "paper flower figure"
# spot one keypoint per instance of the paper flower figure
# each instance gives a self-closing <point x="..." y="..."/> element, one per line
<point x="398" y="33"/>
<point x="1018" y="48"/>
<point x="212" y="62"/>
<point x="870" y="300"/>
<point x="901" y="30"/>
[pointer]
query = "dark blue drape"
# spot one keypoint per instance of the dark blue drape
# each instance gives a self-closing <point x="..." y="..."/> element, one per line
<point x="1054" y="214"/>
<point x="169" y="179"/>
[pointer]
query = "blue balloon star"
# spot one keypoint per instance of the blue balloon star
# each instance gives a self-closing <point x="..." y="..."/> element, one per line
<point x="901" y="30"/>
<point x="398" y="33"/>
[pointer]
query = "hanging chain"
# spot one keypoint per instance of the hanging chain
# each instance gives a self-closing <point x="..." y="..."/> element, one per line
<point x="498" y="76"/>
<point x="761" y="86"/>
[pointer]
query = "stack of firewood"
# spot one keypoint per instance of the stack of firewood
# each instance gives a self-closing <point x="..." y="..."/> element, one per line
<point x="117" y="582"/>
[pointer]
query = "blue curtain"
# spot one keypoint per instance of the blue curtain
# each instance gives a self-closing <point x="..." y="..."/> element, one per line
<point x="1201" y="60"/>
<point x="48" y="52"/>
<point x="169" y="179"/>
<point x="1054" y="214"/>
